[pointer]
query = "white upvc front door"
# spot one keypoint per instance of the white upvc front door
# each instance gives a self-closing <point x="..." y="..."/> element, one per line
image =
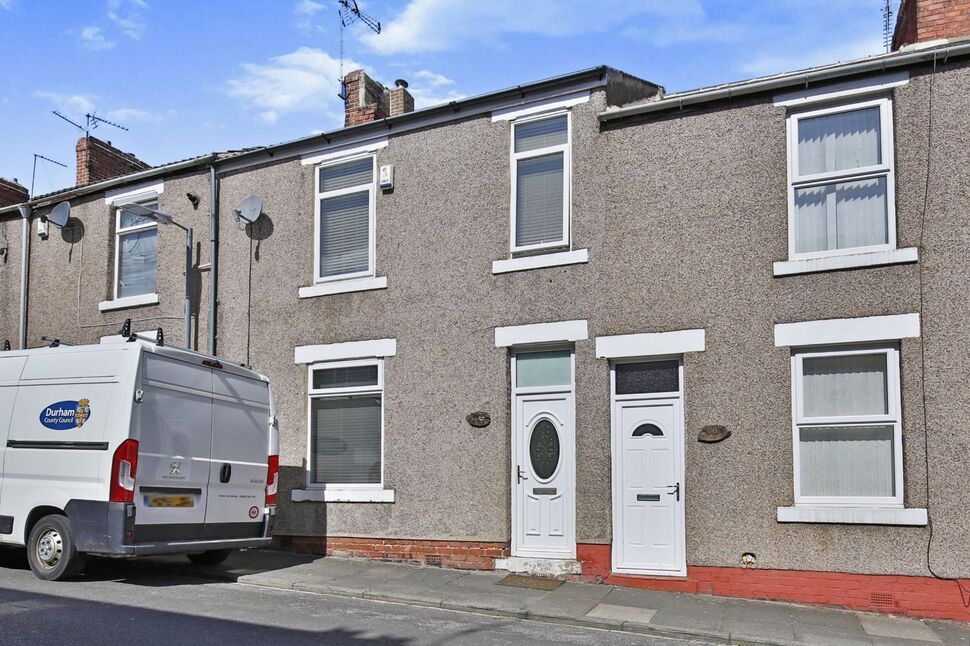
<point x="543" y="456"/>
<point x="648" y="483"/>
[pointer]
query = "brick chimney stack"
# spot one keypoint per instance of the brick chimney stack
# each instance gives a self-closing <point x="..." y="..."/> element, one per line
<point x="921" y="21"/>
<point x="366" y="99"/>
<point x="98" y="161"/>
<point x="11" y="192"/>
<point x="401" y="100"/>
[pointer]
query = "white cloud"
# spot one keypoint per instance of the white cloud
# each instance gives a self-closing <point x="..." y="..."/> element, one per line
<point x="772" y="63"/>
<point x="75" y="104"/>
<point x="433" y="79"/>
<point x="308" y="7"/>
<point x="133" y="115"/>
<point x="304" y="80"/>
<point x="6" y="4"/>
<point x="93" y="38"/>
<point x="431" y="88"/>
<point x="126" y="15"/>
<point x="439" y="25"/>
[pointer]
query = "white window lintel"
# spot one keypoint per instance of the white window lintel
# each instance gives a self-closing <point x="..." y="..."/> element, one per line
<point x="304" y="354"/>
<point x="854" y="330"/>
<point x="544" y="105"/>
<point x="338" y="152"/>
<point x="537" y="333"/>
<point x="844" y="90"/>
<point x="852" y="515"/>
<point x="650" y="344"/>
<point x="135" y="193"/>
<point x="128" y="301"/>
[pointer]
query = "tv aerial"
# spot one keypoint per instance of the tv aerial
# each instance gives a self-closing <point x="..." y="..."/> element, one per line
<point x="91" y="121"/>
<point x="33" y="173"/>
<point x="349" y="14"/>
<point x="250" y="209"/>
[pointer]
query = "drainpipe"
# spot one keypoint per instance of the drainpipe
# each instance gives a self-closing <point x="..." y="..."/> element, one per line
<point x="213" y="256"/>
<point x="24" y="251"/>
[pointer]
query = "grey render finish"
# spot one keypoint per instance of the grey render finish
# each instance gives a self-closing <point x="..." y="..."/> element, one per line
<point x="683" y="215"/>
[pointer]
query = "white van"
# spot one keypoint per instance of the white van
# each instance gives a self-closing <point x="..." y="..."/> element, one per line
<point x="131" y="447"/>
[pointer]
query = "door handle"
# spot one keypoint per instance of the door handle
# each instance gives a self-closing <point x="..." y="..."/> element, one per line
<point x="676" y="490"/>
<point x="225" y="472"/>
<point x="520" y="475"/>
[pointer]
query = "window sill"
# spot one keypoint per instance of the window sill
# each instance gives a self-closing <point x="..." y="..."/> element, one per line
<point x="128" y="301"/>
<point x="557" y="259"/>
<point x="852" y="515"/>
<point x="848" y="261"/>
<point x="344" y="287"/>
<point x="342" y="495"/>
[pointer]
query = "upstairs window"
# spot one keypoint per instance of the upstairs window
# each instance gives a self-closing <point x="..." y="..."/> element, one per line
<point x="841" y="189"/>
<point x="540" y="183"/>
<point x="136" y="253"/>
<point x="848" y="436"/>
<point x="344" y="238"/>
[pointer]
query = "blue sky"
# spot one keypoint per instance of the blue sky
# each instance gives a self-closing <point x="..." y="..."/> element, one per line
<point x="189" y="77"/>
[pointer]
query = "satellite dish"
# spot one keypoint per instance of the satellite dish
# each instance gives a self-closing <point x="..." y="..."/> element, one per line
<point x="250" y="209"/>
<point x="60" y="214"/>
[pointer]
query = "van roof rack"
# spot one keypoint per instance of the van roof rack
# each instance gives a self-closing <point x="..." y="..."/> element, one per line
<point x="6" y="345"/>
<point x="54" y="342"/>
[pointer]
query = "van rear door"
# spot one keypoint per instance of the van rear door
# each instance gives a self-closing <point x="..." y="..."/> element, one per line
<point x="173" y="426"/>
<point x="240" y="446"/>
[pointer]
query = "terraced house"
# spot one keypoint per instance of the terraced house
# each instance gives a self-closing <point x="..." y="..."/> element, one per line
<point x="712" y="341"/>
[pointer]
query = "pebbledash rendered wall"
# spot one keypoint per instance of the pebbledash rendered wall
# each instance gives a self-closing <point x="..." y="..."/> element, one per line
<point x="683" y="215"/>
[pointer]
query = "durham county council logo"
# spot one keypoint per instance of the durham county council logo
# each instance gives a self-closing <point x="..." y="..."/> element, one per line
<point x="66" y="415"/>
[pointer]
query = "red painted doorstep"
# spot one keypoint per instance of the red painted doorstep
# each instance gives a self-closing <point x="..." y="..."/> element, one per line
<point x="905" y="595"/>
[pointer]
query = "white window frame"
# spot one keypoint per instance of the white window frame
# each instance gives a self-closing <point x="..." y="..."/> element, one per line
<point x="886" y="169"/>
<point x="119" y="232"/>
<point x="893" y="418"/>
<point x="336" y="393"/>
<point x="567" y="169"/>
<point x="372" y="212"/>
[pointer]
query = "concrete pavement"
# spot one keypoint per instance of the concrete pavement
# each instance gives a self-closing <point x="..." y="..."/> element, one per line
<point x="646" y="612"/>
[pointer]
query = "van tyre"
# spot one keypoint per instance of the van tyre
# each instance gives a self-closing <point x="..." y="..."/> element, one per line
<point x="212" y="557"/>
<point x="51" y="551"/>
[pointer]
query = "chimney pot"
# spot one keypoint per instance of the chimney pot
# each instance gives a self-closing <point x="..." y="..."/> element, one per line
<point x="401" y="83"/>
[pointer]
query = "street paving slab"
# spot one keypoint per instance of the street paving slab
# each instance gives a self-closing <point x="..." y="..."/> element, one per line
<point x="651" y="612"/>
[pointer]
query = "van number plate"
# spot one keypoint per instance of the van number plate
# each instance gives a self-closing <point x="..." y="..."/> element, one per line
<point x="170" y="501"/>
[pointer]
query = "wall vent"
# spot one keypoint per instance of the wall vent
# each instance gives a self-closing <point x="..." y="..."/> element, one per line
<point x="881" y="599"/>
<point x="433" y="560"/>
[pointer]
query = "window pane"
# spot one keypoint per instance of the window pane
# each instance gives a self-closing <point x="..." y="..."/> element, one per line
<point x="540" y="134"/>
<point x="846" y="461"/>
<point x="647" y="377"/>
<point x="839" y="141"/>
<point x="841" y="216"/>
<point x="347" y="377"/>
<point x="544" y="449"/>
<point x="539" y="200"/>
<point x="353" y="173"/>
<point x="543" y="369"/>
<point x="129" y="219"/>
<point x="345" y="234"/>
<point x="845" y="385"/>
<point x="137" y="263"/>
<point x="346" y="440"/>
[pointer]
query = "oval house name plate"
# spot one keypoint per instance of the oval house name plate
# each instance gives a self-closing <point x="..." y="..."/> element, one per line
<point x="479" y="419"/>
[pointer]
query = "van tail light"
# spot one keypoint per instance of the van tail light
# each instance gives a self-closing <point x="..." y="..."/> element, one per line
<point x="124" y="466"/>
<point x="272" y="478"/>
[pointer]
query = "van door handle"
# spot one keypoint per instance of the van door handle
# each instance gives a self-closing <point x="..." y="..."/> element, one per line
<point x="225" y="472"/>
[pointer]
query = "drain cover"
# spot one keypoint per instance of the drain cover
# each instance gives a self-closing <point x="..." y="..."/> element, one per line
<point x="519" y="581"/>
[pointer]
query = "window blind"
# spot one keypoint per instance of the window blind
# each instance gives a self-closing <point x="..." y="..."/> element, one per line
<point x="849" y="385"/>
<point x="841" y="215"/>
<point x="346" y="377"/>
<point x="840" y="141"/>
<point x="539" y="200"/>
<point x="533" y="135"/>
<point x="345" y="234"/>
<point x="346" y="440"/>
<point x="137" y="262"/>
<point x="846" y="461"/>
<point x="352" y="173"/>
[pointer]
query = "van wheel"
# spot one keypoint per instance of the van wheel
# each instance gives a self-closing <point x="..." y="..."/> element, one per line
<point x="212" y="557"/>
<point x="51" y="551"/>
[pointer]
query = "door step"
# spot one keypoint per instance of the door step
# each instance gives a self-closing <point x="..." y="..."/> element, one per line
<point x="539" y="567"/>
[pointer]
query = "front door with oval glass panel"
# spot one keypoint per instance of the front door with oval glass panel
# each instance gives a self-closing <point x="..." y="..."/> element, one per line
<point x="648" y="466"/>
<point x="543" y="445"/>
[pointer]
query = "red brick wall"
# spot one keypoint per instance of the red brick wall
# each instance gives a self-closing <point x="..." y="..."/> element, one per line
<point x="11" y="192"/>
<point x="366" y="99"/>
<point x="923" y="20"/>
<point x="464" y="555"/>
<point x="906" y="595"/>
<point x="401" y="101"/>
<point x="98" y="160"/>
